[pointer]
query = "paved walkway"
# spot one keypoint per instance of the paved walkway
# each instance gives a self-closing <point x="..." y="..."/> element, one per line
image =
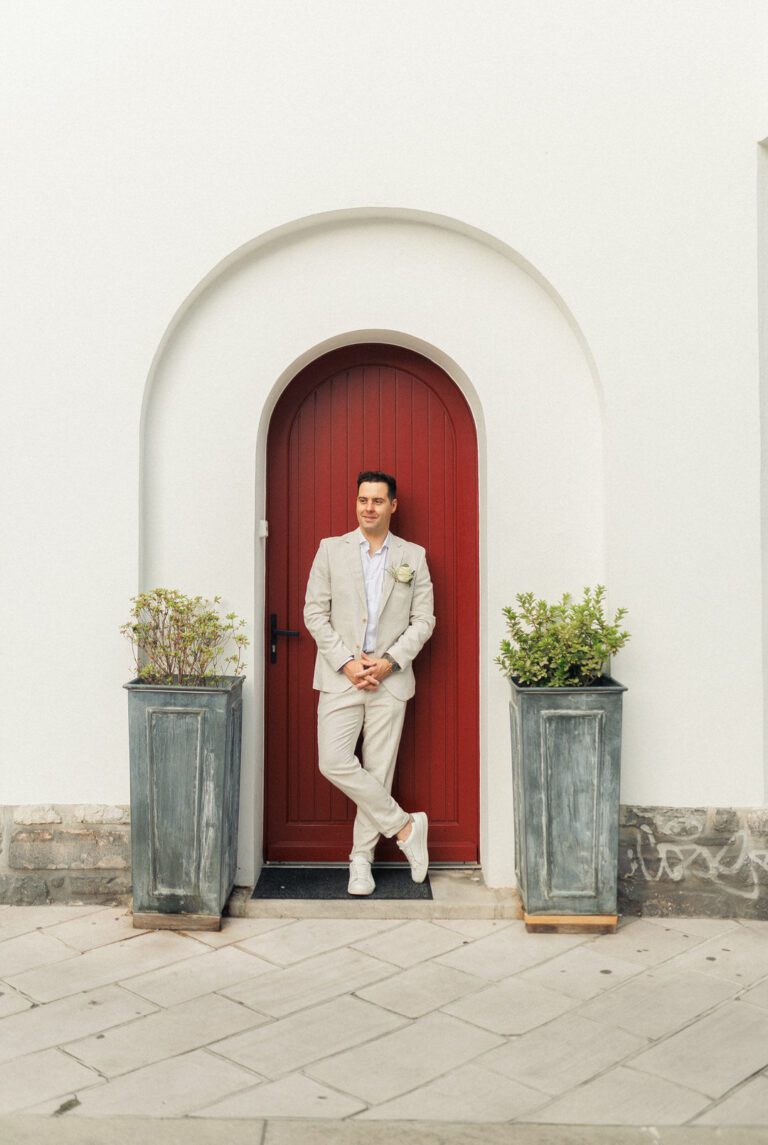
<point x="353" y="1025"/>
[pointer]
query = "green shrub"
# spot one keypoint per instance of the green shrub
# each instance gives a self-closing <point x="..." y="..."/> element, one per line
<point x="180" y="639"/>
<point x="560" y="645"/>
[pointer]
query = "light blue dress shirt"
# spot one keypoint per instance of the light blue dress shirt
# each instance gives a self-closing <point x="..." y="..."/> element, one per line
<point x="374" y="570"/>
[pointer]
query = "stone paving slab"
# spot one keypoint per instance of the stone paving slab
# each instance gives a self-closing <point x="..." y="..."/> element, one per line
<point x="410" y="943"/>
<point x="473" y="927"/>
<point x="294" y="1042"/>
<point x="740" y="956"/>
<point x="11" y="1001"/>
<point x="164" y="1034"/>
<point x="509" y="951"/>
<point x="303" y="939"/>
<point x="624" y="1097"/>
<point x="702" y="927"/>
<point x="470" y="1094"/>
<point x="98" y="928"/>
<point x="104" y="965"/>
<point x="174" y="1087"/>
<point x="47" y="1074"/>
<point x="23" y="919"/>
<point x="659" y="1002"/>
<point x="213" y="971"/>
<point x="27" y="951"/>
<point x="562" y="1054"/>
<point x="714" y="1054"/>
<point x="68" y="1019"/>
<point x="421" y="989"/>
<point x="582" y="972"/>
<point x="512" y="1006"/>
<point x="753" y="923"/>
<point x="309" y="983"/>
<point x="293" y="1096"/>
<point x="404" y="1059"/>
<point x="748" y="1105"/>
<point x="757" y="995"/>
<point x="647" y="942"/>
<point x="237" y="929"/>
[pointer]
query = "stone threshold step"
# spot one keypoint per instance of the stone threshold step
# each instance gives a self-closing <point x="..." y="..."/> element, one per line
<point x="455" y="894"/>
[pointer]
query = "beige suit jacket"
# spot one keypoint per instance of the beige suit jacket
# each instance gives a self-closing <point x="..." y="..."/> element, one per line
<point x="336" y="612"/>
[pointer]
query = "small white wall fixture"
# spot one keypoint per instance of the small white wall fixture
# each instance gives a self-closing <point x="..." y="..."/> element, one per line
<point x="431" y="284"/>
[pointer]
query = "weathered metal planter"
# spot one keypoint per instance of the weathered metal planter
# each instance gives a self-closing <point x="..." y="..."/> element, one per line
<point x="185" y="790"/>
<point x="566" y="759"/>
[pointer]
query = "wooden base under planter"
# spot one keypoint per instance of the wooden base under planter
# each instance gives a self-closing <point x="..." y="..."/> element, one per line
<point x="149" y="920"/>
<point x="571" y="923"/>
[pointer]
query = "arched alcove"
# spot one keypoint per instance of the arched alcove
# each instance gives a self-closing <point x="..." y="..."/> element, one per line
<point x="446" y="291"/>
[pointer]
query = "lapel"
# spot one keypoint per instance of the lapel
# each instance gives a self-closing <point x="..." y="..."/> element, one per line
<point x="354" y="564"/>
<point x="395" y="555"/>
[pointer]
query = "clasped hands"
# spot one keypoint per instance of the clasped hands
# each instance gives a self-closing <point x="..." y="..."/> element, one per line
<point x="367" y="672"/>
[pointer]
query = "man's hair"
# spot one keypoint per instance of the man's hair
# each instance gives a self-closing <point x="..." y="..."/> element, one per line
<point x="377" y="476"/>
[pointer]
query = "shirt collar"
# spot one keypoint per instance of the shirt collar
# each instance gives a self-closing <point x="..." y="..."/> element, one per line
<point x="362" y="541"/>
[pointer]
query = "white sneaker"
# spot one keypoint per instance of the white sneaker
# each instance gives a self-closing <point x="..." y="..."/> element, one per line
<point x="360" y="878"/>
<point x="415" y="847"/>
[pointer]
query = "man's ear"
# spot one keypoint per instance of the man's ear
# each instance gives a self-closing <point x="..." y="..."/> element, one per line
<point x="394" y="504"/>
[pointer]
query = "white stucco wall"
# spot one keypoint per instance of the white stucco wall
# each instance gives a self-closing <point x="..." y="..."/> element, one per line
<point x="611" y="146"/>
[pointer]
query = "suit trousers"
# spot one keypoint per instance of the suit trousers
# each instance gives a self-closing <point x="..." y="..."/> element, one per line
<point x="340" y="718"/>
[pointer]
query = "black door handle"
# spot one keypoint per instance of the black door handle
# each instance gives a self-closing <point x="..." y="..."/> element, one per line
<point x="274" y="632"/>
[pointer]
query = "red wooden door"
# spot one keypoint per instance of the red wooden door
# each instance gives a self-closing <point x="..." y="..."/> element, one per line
<point x="373" y="407"/>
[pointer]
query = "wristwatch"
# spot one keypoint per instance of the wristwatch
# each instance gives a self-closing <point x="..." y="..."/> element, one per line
<point x="391" y="661"/>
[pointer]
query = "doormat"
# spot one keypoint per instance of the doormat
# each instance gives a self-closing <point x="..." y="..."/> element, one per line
<point x="331" y="883"/>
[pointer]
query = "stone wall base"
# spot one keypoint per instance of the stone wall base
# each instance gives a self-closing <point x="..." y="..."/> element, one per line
<point x="691" y="861"/>
<point x="63" y="853"/>
<point x="708" y="862"/>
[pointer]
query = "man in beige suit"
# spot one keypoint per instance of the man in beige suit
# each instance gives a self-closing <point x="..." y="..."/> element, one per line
<point x="369" y="608"/>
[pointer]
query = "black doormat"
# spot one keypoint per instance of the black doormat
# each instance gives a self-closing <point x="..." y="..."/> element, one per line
<point x="331" y="883"/>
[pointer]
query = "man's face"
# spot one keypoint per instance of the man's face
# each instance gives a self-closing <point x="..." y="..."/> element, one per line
<point x="374" y="508"/>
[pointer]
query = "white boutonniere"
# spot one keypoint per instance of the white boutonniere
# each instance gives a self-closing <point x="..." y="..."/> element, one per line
<point x="402" y="574"/>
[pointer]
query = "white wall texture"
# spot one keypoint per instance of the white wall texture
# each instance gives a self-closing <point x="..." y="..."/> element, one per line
<point x="556" y="200"/>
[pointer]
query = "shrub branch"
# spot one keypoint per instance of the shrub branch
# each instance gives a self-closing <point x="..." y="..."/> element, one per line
<point x="560" y="645"/>
<point x="178" y="639"/>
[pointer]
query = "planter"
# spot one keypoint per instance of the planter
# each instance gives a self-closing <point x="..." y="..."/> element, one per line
<point x="185" y="787"/>
<point x="566" y="755"/>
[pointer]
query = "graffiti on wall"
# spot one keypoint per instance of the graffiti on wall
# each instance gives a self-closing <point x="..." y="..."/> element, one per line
<point x="737" y="865"/>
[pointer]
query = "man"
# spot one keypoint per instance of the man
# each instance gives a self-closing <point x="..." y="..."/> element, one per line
<point x="369" y="608"/>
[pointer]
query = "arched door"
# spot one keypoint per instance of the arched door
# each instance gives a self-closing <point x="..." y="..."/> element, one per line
<point x="373" y="407"/>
